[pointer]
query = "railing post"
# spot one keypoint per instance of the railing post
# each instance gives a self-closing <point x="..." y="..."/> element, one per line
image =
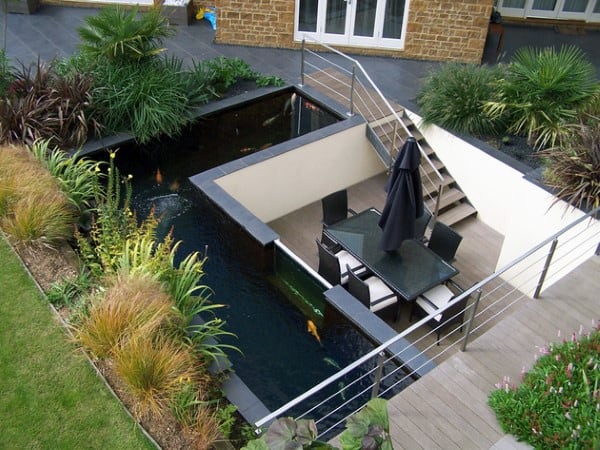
<point x="538" y="288"/>
<point x="302" y="63"/>
<point x="469" y="325"/>
<point x="351" y="112"/>
<point x="436" y="211"/>
<point x="378" y="373"/>
<point x="393" y="147"/>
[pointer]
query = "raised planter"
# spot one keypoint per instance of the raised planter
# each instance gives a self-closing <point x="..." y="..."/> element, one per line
<point x="23" y="6"/>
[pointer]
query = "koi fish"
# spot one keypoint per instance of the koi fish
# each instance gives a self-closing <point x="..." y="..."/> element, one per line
<point x="247" y="149"/>
<point x="312" y="329"/>
<point x="158" y="177"/>
<point x="342" y="388"/>
<point x="332" y="362"/>
<point x="289" y="105"/>
<point x="174" y="186"/>
<point x="267" y="145"/>
<point x="270" y="120"/>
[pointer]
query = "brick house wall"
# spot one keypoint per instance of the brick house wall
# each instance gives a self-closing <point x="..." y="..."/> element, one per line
<point x="439" y="30"/>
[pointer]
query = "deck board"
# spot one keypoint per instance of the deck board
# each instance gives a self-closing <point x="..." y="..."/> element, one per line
<point x="420" y="415"/>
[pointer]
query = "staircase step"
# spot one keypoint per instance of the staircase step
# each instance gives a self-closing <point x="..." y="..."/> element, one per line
<point x="431" y="188"/>
<point x="426" y="148"/>
<point x="457" y="213"/>
<point x="449" y="196"/>
<point x="426" y="168"/>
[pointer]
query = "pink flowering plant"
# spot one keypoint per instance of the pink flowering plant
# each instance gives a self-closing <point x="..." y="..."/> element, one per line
<point x="556" y="404"/>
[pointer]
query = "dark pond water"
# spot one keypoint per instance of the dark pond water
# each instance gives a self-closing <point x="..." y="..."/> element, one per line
<point x="268" y="311"/>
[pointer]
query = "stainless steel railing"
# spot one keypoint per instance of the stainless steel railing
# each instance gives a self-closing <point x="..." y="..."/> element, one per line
<point x="378" y="373"/>
<point x="355" y="89"/>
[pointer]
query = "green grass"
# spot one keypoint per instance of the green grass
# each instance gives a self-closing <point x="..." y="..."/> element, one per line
<point x="50" y="397"/>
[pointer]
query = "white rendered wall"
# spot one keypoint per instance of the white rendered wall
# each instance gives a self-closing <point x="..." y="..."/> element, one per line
<point x="302" y="176"/>
<point x="513" y="206"/>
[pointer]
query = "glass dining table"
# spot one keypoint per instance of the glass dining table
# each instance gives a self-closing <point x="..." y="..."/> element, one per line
<point x="409" y="271"/>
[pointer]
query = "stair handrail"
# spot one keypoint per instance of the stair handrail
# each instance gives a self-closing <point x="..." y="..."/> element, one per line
<point x="373" y="86"/>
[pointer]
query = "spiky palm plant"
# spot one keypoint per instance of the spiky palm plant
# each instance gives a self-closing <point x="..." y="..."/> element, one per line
<point x="542" y="92"/>
<point x="120" y="35"/>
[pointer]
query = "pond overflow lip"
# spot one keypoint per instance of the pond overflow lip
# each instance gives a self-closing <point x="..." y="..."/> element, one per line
<point x="234" y="388"/>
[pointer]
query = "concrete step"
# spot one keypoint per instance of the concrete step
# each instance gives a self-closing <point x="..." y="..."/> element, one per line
<point x="457" y="213"/>
<point x="449" y="196"/>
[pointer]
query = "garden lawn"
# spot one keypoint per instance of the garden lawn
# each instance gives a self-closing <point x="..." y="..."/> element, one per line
<point x="50" y="397"/>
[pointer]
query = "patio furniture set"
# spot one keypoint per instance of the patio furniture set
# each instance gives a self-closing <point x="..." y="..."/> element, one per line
<point x="418" y="273"/>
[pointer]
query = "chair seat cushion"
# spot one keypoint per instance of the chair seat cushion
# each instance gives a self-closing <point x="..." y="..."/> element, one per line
<point x="346" y="259"/>
<point x="434" y="299"/>
<point x="381" y="295"/>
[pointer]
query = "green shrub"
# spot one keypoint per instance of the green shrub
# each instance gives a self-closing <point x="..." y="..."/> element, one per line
<point x="120" y="35"/>
<point x="148" y="98"/>
<point x="77" y="177"/>
<point x="67" y="291"/>
<point x="542" y="92"/>
<point x="454" y="98"/>
<point x="557" y="404"/>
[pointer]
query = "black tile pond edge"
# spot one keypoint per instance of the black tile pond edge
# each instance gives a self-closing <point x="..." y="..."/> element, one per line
<point x="234" y="388"/>
<point x="406" y="354"/>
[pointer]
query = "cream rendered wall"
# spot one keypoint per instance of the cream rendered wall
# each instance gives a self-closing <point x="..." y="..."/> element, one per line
<point x="513" y="206"/>
<point x="284" y="183"/>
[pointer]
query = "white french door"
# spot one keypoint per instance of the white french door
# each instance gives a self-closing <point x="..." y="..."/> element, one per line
<point x="372" y="23"/>
<point x="586" y="10"/>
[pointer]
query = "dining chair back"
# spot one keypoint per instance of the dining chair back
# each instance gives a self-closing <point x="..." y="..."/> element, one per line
<point x="333" y="266"/>
<point x="444" y="241"/>
<point x="371" y="292"/>
<point x="436" y="299"/>
<point x="335" y="207"/>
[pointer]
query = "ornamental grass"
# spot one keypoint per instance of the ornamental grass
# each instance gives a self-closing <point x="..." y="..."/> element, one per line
<point x="130" y="306"/>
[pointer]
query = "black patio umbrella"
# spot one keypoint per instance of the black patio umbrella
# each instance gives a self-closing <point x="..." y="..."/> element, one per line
<point x="404" y="202"/>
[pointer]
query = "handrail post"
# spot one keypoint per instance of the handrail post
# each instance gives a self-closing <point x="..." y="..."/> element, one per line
<point x="302" y="63"/>
<point x="538" y="288"/>
<point x="351" y="112"/>
<point x="393" y="147"/>
<point x="436" y="211"/>
<point x="469" y="325"/>
<point x="378" y="373"/>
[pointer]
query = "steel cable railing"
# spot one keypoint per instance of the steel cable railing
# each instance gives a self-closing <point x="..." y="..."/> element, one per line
<point x="369" y="96"/>
<point x="494" y="306"/>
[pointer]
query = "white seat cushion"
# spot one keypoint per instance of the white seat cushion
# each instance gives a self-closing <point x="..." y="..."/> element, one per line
<point x="434" y="299"/>
<point x="344" y="259"/>
<point x="380" y="294"/>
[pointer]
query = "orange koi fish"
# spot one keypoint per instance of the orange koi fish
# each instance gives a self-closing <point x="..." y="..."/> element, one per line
<point x="312" y="329"/>
<point x="174" y="185"/>
<point x="158" y="177"/>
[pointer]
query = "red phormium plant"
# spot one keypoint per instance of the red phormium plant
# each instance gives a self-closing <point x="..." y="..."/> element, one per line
<point x="46" y="105"/>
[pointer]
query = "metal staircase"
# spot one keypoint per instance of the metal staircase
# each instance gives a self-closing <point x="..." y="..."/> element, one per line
<point x="388" y="128"/>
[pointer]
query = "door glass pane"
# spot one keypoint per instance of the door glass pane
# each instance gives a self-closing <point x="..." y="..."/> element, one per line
<point x="544" y="5"/>
<point x="307" y="20"/>
<point x="575" y="6"/>
<point x="364" y="20"/>
<point x="597" y="7"/>
<point x="520" y="4"/>
<point x="394" y="14"/>
<point x="336" y="17"/>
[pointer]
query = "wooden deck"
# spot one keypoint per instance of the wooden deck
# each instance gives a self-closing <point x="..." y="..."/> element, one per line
<point x="447" y="408"/>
